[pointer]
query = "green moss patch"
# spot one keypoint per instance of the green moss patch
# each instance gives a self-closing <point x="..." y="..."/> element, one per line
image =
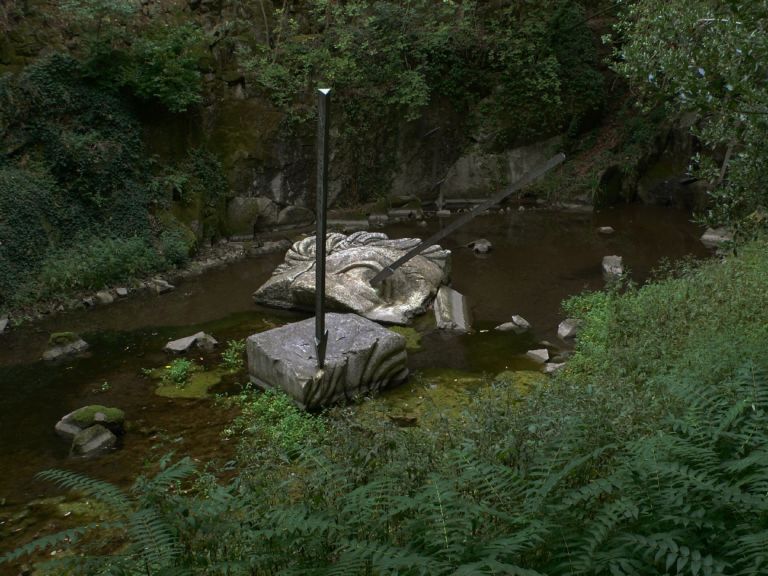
<point x="521" y="381"/>
<point x="62" y="338"/>
<point x="412" y="337"/>
<point x="198" y="386"/>
<point x="87" y="414"/>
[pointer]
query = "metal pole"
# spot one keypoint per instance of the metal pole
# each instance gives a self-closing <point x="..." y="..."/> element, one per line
<point x="321" y="334"/>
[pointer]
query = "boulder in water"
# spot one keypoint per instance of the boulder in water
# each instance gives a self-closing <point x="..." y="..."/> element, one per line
<point x="519" y="325"/>
<point x="613" y="267"/>
<point x="199" y="340"/>
<point x="104" y="297"/>
<point x="715" y="237"/>
<point x="78" y="420"/>
<point x="480" y="246"/>
<point x="568" y="328"/>
<point x="92" y="441"/>
<point x="540" y="355"/>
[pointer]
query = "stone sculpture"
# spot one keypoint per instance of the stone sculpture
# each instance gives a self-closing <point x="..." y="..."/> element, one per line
<point x="350" y="264"/>
<point x="362" y="357"/>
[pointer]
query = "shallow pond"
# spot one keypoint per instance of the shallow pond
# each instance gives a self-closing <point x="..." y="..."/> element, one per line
<point x="539" y="258"/>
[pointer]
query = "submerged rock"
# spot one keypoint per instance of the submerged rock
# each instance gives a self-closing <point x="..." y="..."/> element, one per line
<point x="519" y="325"/>
<point x="606" y="230"/>
<point x="552" y="367"/>
<point x="540" y="355"/>
<point x="200" y="340"/>
<point x="160" y="286"/>
<point x="92" y="441"/>
<point x="451" y="310"/>
<point x="64" y="345"/>
<point x="715" y="237"/>
<point x="404" y="213"/>
<point x="104" y="297"/>
<point x="378" y="219"/>
<point x="480" y="246"/>
<point x="361" y="357"/>
<point x="613" y="267"/>
<point x="569" y="328"/>
<point x="351" y="263"/>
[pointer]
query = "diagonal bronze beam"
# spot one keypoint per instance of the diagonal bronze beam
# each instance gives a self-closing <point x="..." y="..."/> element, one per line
<point x="531" y="176"/>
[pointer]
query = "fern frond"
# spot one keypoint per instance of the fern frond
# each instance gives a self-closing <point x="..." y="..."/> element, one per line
<point x="153" y="538"/>
<point x="175" y="473"/>
<point x="69" y="536"/>
<point x="103" y="491"/>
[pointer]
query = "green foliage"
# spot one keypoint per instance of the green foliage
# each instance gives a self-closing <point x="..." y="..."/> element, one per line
<point x="232" y="359"/>
<point x="527" y="69"/>
<point x="98" y="262"/>
<point x="178" y="372"/>
<point x="76" y="188"/>
<point x="163" y="66"/>
<point x="196" y="187"/>
<point x="701" y="57"/>
<point x="152" y="544"/>
<point x="270" y="421"/>
<point x="157" y="61"/>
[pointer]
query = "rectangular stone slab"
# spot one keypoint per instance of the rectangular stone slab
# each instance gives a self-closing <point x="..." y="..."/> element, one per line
<point x="451" y="310"/>
<point x="362" y="357"/>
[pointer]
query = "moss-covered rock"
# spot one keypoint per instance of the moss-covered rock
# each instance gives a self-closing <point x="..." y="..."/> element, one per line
<point x="62" y="338"/>
<point x="96" y="413"/>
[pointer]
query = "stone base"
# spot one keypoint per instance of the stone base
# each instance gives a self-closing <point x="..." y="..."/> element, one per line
<point x="361" y="357"/>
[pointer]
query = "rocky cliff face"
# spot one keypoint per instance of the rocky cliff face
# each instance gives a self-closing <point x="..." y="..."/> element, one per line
<point x="269" y="158"/>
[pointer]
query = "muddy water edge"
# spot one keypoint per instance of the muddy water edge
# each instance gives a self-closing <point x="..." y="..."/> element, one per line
<point x="538" y="259"/>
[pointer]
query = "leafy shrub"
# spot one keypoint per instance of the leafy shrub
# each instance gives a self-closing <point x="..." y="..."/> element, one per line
<point x="76" y="188"/>
<point x="271" y="421"/>
<point x="232" y="358"/>
<point x="156" y="60"/>
<point x="163" y="66"/>
<point x="97" y="262"/>
<point x="178" y="372"/>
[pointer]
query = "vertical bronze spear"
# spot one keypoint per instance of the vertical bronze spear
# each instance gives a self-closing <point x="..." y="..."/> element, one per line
<point x="321" y="334"/>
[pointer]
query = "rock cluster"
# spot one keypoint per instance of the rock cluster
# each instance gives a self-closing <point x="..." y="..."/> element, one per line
<point x="518" y="325"/>
<point x="64" y="345"/>
<point x="91" y="430"/>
